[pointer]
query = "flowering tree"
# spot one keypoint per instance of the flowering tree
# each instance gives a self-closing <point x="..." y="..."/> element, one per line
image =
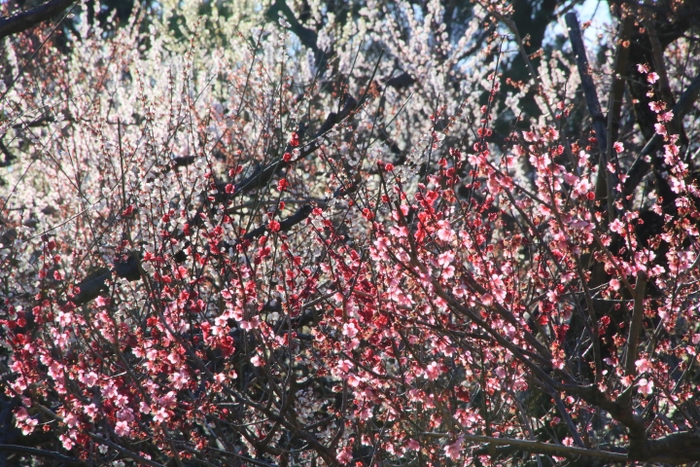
<point x="297" y="247"/>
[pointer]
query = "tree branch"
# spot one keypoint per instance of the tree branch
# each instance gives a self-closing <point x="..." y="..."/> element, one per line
<point x="636" y="325"/>
<point x="128" y="268"/>
<point x="617" y="88"/>
<point x="675" y="449"/>
<point x="604" y="185"/>
<point x="641" y="167"/>
<point x="125" y="452"/>
<point x="285" y="225"/>
<point x="537" y="447"/>
<point x="30" y="18"/>
<point x="308" y="37"/>
<point x="16" y="448"/>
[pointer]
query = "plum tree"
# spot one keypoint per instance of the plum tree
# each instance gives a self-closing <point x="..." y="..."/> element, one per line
<point x="355" y="234"/>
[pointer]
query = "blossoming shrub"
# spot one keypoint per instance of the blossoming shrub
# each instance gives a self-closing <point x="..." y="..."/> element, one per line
<point x="213" y="256"/>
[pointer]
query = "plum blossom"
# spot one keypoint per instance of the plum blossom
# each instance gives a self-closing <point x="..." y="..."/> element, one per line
<point x="448" y="272"/>
<point x="530" y="136"/>
<point x="161" y="415"/>
<point x="617" y="226"/>
<point x="350" y="329"/>
<point x="666" y="116"/>
<point x="64" y="319"/>
<point x="445" y="258"/>
<point x="256" y="360"/>
<point x="646" y="386"/>
<point x="454" y="450"/>
<point x="89" y="379"/>
<point x="344" y="366"/>
<point x="657" y="106"/>
<point x="91" y="411"/>
<point x="26" y="423"/>
<point x="71" y="420"/>
<point x="671" y="152"/>
<point x="643" y="365"/>
<point x="122" y="428"/>
<point x="68" y="443"/>
<point x="179" y="379"/>
<point x="445" y="232"/>
<point x="365" y="413"/>
<point x="498" y="288"/>
<point x="109" y="391"/>
<point x="168" y="400"/>
<point x="28" y="426"/>
<point x="413" y="445"/>
<point x="345" y="455"/>
<point x="433" y="371"/>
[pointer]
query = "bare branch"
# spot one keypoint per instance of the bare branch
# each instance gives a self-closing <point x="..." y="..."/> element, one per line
<point x="30" y="18"/>
<point x="308" y="37"/>
<point x="677" y="448"/>
<point x="537" y="447"/>
<point x="16" y="448"/>
<point x="605" y="184"/>
<point x="122" y="450"/>
<point x="636" y="325"/>
<point x="617" y="88"/>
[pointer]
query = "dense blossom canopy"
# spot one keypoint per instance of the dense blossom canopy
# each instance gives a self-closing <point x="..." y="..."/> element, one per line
<point x="351" y="233"/>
